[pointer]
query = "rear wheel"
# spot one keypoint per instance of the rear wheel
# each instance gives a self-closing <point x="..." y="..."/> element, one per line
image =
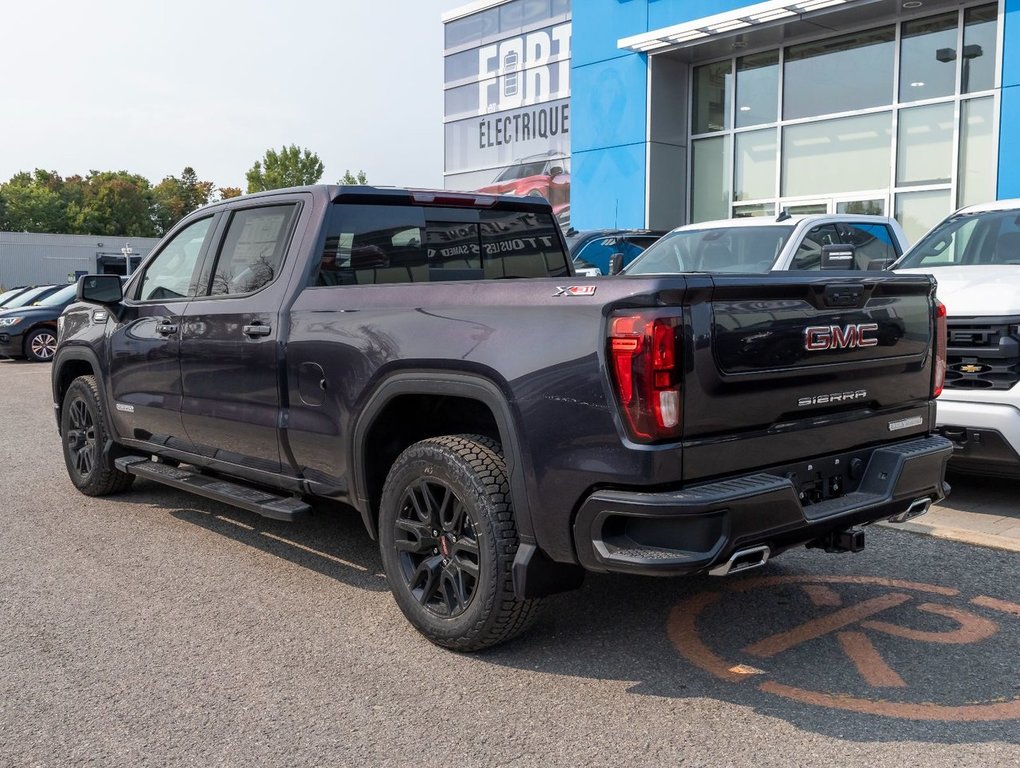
<point x="84" y="432"/>
<point x="41" y="345"/>
<point x="448" y="539"/>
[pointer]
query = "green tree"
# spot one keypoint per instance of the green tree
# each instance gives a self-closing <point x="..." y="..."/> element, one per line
<point x="174" y="198"/>
<point x="113" y="203"/>
<point x="290" y="167"/>
<point x="33" y="203"/>
<point x="353" y="178"/>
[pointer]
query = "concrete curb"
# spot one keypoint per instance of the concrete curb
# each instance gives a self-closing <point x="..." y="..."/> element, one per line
<point x="992" y="541"/>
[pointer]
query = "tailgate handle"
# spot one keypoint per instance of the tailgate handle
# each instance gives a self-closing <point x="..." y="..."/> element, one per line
<point x="844" y="295"/>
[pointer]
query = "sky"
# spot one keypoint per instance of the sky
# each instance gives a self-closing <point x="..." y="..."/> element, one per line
<point x="149" y="87"/>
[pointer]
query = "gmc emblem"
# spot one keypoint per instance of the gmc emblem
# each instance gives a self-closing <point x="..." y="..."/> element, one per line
<point x="819" y="337"/>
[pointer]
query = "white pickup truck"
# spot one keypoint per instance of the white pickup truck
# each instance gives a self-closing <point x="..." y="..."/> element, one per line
<point x="975" y="256"/>
<point x="768" y="244"/>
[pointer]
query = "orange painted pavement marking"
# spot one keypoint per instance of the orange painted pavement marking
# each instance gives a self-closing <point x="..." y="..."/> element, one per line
<point x="972" y="629"/>
<point x="823" y="596"/>
<point x="816" y="628"/>
<point x="684" y="635"/>
<point x="860" y="650"/>
<point x="747" y="585"/>
<point x="970" y="713"/>
<point x="996" y="604"/>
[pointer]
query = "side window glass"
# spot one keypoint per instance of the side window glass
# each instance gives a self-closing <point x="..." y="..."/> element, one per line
<point x="809" y="252"/>
<point x="872" y="242"/>
<point x="171" y="274"/>
<point x="521" y="244"/>
<point x="369" y="244"/>
<point x="252" y="250"/>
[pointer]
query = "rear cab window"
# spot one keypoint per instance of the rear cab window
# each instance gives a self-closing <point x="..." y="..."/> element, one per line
<point x="377" y="244"/>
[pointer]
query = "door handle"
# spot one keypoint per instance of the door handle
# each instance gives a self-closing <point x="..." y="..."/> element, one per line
<point x="166" y="329"/>
<point x="258" y="329"/>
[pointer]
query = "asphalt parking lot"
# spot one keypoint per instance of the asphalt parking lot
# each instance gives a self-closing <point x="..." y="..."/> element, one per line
<point x="156" y="628"/>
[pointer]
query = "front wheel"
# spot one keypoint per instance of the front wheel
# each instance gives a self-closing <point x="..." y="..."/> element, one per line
<point x="41" y="345"/>
<point x="84" y="432"/>
<point x="448" y="538"/>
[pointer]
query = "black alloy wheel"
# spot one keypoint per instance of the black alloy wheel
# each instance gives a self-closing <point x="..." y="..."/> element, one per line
<point x="438" y="548"/>
<point x="85" y="435"/>
<point x="448" y="539"/>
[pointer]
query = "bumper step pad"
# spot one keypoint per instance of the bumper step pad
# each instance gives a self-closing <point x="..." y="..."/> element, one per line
<point x="254" y="500"/>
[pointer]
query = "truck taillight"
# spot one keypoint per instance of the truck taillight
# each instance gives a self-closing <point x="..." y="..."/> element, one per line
<point x="644" y="361"/>
<point x="941" y="345"/>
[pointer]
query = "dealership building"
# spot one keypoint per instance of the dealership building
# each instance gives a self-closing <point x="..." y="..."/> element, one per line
<point x="655" y="113"/>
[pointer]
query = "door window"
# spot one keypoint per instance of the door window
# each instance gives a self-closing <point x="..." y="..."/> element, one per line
<point x="171" y="274"/>
<point x="253" y="249"/>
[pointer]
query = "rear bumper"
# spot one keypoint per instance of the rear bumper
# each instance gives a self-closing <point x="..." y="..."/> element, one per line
<point x="700" y="527"/>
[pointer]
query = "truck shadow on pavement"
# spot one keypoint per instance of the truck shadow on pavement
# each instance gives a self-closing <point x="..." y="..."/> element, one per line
<point x="913" y="639"/>
<point x="331" y="542"/>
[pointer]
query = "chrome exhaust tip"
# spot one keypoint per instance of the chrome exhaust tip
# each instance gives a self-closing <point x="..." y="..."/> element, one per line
<point x="742" y="560"/>
<point x="917" y="508"/>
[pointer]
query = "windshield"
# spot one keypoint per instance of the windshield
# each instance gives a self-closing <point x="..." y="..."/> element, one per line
<point x="62" y="296"/>
<point x="721" y="249"/>
<point x="989" y="237"/>
<point x="29" y="296"/>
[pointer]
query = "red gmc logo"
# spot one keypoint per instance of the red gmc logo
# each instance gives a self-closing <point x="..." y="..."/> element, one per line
<point x="819" y="337"/>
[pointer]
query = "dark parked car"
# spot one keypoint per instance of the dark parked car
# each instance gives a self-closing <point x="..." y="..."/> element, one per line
<point x="12" y="294"/>
<point x="30" y="330"/>
<point x="593" y="249"/>
<point x="29" y="294"/>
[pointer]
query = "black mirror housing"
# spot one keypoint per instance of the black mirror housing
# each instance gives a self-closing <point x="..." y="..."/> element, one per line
<point x="615" y="263"/>
<point x="100" y="289"/>
<point x="838" y="256"/>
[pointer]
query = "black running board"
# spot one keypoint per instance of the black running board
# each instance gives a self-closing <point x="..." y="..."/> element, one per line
<point x="254" y="500"/>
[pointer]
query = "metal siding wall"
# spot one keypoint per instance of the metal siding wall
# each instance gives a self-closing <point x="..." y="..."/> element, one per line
<point x="1009" y="105"/>
<point x="28" y="258"/>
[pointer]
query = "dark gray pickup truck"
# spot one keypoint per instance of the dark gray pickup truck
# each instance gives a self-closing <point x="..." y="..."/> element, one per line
<point x="500" y="436"/>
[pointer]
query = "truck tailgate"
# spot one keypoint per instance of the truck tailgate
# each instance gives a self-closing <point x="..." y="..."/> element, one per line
<point x="799" y="365"/>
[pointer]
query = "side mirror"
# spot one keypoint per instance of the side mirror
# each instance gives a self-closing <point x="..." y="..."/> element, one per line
<point x="616" y="263"/>
<point x="838" y="256"/>
<point x="100" y="289"/>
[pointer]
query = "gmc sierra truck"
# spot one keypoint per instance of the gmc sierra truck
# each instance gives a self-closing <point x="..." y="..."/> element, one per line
<point x="500" y="436"/>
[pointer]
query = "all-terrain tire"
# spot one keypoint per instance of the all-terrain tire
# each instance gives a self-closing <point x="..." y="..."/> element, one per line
<point x="448" y="538"/>
<point x="84" y="433"/>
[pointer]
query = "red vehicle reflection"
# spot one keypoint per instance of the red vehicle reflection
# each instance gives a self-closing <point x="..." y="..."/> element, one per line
<point x="543" y="175"/>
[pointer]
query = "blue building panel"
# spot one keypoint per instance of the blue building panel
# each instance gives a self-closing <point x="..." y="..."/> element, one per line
<point x="609" y="103"/>
<point x="1009" y="105"/>
<point x="609" y="189"/>
<point x="599" y="24"/>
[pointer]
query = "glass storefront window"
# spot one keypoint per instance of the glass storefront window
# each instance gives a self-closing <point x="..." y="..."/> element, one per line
<point x="917" y="212"/>
<point x="840" y="74"/>
<point x="755" y="165"/>
<point x="979" y="48"/>
<point x="874" y="207"/>
<point x="757" y="89"/>
<point x="837" y="156"/>
<point x="924" y="150"/>
<point x="711" y="173"/>
<point x="755" y="209"/>
<point x="976" y="179"/>
<point x="713" y="84"/>
<point x="928" y="58"/>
